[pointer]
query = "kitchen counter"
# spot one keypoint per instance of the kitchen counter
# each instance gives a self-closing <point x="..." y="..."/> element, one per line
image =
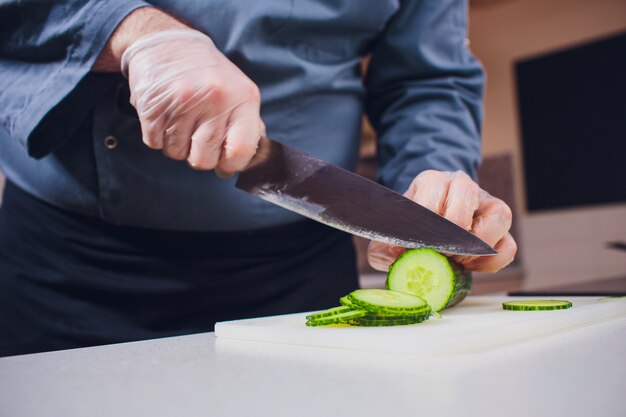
<point x="580" y="372"/>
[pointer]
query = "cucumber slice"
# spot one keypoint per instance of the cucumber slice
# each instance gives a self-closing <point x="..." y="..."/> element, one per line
<point x="337" y="318"/>
<point x="365" y="321"/>
<point x="345" y="301"/>
<point x="388" y="302"/>
<point x="330" y="312"/>
<point x="388" y="317"/>
<point x="536" y="305"/>
<point x="374" y="307"/>
<point x="428" y="274"/>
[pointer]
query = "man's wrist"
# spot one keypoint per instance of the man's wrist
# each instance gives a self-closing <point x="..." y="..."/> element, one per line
<point x="139" y="23"/>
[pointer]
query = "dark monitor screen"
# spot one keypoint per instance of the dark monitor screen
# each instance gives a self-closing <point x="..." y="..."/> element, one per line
<point x="573" y="118"/>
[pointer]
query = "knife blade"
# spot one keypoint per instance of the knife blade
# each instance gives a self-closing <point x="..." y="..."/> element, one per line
<point x="346" y="201"/>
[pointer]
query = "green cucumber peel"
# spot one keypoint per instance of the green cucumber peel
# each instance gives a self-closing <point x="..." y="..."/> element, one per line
<point x="536" y="305"/>
<point x="327" y="313"/>
<point x="337" y="318"/>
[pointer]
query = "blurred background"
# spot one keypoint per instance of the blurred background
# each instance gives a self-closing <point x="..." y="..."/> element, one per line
<point x="554" y="139"/>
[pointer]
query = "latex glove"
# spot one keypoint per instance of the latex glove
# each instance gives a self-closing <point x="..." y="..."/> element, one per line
<point x="459" y="199"/>
<point x="192" y="102"/>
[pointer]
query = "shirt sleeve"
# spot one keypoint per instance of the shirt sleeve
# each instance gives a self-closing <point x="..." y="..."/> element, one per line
<point x="424" y="93"/>
<point x="47" y="49"/>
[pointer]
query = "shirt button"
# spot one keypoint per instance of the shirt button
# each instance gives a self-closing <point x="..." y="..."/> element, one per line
<point x="110" y="142"/>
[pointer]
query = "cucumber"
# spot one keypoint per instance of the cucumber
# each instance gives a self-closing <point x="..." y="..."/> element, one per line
<point x="399" y="322"/>
<point x="428" y="274"/>
<point x="374" y="307"/>
<point x="388" y="302"/>
<point x="330" y="312"/>
<point x="536" y="305"/>
<point x="337" y="318"/>
<point x="373" y="319"/>
<point x="345" y="301"/>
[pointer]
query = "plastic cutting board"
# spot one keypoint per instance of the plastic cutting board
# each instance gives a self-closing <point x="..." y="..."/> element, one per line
<point x="477" y="324"/>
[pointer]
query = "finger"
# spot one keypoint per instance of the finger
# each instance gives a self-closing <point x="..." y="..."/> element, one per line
<point x="262" y="128"/>
<point x="430" y="189"/>
<point x="493" y="219"/>
<point x="184" y="112"/>
<point x="506" y="247"/>
<point x="206" y="144"/>
<point x="242" y="140"/>
<point x="177" y="139"/>
<point x="381" y="255"/>
<point x="153" y="117"/>
<point x="462" y="200"/>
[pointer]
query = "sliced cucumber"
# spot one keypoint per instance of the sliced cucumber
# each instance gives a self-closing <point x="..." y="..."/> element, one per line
<point x="330" y="312"/>
<point x="536" y="305"/>
<point x="391" y="322"/>
<point x="374" y="307"/>
<point x="390" y="318"/>
<point x="428" y="274"/>
<point x="388" y="302"/>
<point x="337" y="318"/>
<point x="345" y="301"/>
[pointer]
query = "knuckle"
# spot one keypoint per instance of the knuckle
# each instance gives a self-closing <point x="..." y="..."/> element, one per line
<point x="182" y="90"/>
<point x="464" y="180"/>
<point x="149" y="136"/>
<point x="511" y="246"/>
<point x="508" y="214"/>
<point x="178" y="154"/>
<point x="223" y="173"/>
<point x="460" y="174"/>
<point x="430" y="173"/>
<point x="172" y="142"/>
<point x="478" y="224"/>
<point x="238" y="152"/>
<point x="201" y="165"/>
<point x="217" y="95"/>
<point x="253" y="92"/>
<point x="428" y="176"/>
<point x="507" y="248"/>
<point x="151" y="142"/>
<point x="211" y="139"/>
<point x="505" y="213"/>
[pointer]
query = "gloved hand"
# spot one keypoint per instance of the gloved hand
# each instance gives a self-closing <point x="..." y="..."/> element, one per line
<point x="459" y="199"/>
<point x="192" y="102"/>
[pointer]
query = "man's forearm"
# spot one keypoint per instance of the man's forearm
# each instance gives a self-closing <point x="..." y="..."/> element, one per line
<point x="137" y="24"/>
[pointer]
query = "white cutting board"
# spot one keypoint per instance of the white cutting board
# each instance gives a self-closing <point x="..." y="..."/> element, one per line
<point x="477" y="324"/>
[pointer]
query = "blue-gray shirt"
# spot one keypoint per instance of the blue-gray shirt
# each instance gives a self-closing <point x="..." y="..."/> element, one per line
<point x="422" y="92"/>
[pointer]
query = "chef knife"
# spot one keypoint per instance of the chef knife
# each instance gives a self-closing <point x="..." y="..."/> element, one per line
<point x="341" y="199"/>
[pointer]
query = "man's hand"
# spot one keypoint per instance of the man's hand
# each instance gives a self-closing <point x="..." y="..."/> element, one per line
<point x="456" y="197"/>
<point x="192" y="102"/>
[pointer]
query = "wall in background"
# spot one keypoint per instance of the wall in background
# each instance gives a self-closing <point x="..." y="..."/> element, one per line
<point x="562" y="246"/>
<point x="502" y="32"/>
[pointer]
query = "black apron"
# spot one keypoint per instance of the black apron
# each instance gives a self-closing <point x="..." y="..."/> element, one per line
<point x="68" y="280"/>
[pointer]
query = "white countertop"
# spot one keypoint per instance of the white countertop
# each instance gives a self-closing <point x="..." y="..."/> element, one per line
<point x="575" y="373"/>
